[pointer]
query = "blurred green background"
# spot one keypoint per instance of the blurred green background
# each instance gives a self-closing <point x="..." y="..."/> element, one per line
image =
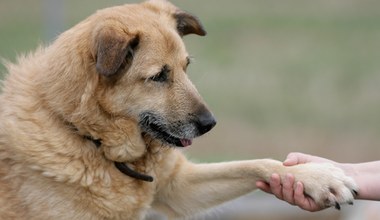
<point x="280" y="75"/>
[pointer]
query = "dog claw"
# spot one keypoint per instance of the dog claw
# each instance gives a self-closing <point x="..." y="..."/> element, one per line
<point x="354" y="192"/>
<point x="337" y="206"/>
<point x="351" y="203"/>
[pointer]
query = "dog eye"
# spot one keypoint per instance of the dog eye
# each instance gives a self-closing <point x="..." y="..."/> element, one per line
<point x="162" y="76"/>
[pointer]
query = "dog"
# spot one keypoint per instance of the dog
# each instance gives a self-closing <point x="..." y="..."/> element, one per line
<point x="91" y="126"/>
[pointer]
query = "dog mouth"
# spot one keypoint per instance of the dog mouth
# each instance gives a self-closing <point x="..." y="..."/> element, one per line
<point x="156" y="127"/>
<point x="159" y="133"/>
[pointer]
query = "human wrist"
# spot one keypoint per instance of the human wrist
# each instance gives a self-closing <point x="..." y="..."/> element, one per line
<point x="348" y="168"/>
<point x="352" y="170"/>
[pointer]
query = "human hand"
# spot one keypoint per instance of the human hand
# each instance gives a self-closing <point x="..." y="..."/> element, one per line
<point x="289" y="192"/>
<point x="299" y="158"/>
<point x="287" y="189"/>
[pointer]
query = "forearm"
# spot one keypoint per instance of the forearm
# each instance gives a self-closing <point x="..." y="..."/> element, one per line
<point x="367" y="176"/>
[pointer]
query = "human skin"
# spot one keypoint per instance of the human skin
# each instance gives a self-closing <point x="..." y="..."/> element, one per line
<point x="366" y="175"/>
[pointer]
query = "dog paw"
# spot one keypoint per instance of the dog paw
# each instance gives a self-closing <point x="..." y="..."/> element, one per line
<point x="326" y="184"/>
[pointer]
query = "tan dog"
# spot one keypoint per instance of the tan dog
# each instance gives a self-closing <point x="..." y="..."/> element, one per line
<point x="114" y="89"/>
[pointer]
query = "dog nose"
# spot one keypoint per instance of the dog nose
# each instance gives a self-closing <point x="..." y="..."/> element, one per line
<point x="206" y="121"/>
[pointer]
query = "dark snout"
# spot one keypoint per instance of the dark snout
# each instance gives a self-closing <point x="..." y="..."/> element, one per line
<point x="205" y="121"/>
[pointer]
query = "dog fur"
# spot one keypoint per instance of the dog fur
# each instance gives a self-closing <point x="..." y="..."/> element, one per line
<point x="116" y="77"/>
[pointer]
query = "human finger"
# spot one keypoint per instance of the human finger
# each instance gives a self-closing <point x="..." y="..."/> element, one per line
<point x="303" y="201"/>
<point x="295" y="158"/>
<point x="275" y="185"/>
<point x="288" y="189"/>
<point x="264" y="186"/>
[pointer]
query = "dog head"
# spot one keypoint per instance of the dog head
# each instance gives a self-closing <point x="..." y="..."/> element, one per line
<point x="141" y="60"/>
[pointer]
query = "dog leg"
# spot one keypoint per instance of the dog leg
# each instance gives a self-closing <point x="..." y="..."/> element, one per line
<point x="196" y="187"/>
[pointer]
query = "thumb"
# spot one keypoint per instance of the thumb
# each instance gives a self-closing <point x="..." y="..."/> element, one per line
<point x="294" y="159"/>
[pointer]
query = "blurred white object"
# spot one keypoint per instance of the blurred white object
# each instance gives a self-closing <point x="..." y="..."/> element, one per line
<point x="363" y="210"/>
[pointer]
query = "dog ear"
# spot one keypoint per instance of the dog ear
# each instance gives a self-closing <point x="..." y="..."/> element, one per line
<point x="114" y="50"/>
<point x="188" y="24"/>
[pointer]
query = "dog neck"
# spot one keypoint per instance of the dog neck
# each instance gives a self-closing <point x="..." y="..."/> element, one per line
<point x="122" y="167"/>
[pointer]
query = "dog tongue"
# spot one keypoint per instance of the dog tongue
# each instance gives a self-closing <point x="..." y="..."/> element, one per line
<point x="186" y="142"/>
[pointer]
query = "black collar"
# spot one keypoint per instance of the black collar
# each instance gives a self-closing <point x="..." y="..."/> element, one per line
<point x="123" y="167"/>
